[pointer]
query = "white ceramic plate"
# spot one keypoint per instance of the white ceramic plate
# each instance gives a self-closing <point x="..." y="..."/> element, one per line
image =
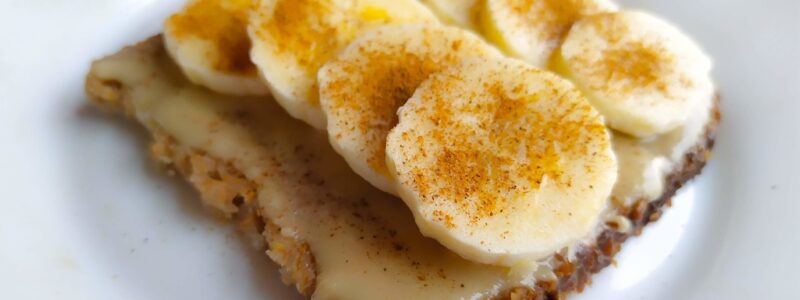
<point x="86" y="215"/>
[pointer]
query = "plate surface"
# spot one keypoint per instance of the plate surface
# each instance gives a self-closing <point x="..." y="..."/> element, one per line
<point x="88" y="216"/>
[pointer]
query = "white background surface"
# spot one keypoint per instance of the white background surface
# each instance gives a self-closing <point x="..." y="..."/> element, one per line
<point x="85" y="215"/>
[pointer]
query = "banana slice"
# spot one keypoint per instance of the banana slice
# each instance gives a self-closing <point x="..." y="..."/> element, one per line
<point x="462" y="13"/>
<point x="361" y="90"/>
<point x="292" y="39"/>
<point x="643" y="74"/>
<point x="502" y="162"/>
<point x="208" y="39"/>
<point x="531" y="29"/>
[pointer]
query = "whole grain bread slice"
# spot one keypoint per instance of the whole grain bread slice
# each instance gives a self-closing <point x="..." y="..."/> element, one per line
<point x="225" y="189"/>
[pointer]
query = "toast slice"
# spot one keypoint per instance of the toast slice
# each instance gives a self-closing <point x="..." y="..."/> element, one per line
<point x="333" y="235"/>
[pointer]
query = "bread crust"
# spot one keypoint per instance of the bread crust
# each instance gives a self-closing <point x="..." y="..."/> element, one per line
<point x="232" y="194"/>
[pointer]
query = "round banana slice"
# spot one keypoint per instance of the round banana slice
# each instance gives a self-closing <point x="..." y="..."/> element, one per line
<point x="532" y="29"/>
<point x="462" y="13"/>
<point x="643" y="74"/>
<point x="208" y="40"/>
<point x="292" y="39"/>
<point x="502" y="162"/>
<point x="361" y="90"/>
